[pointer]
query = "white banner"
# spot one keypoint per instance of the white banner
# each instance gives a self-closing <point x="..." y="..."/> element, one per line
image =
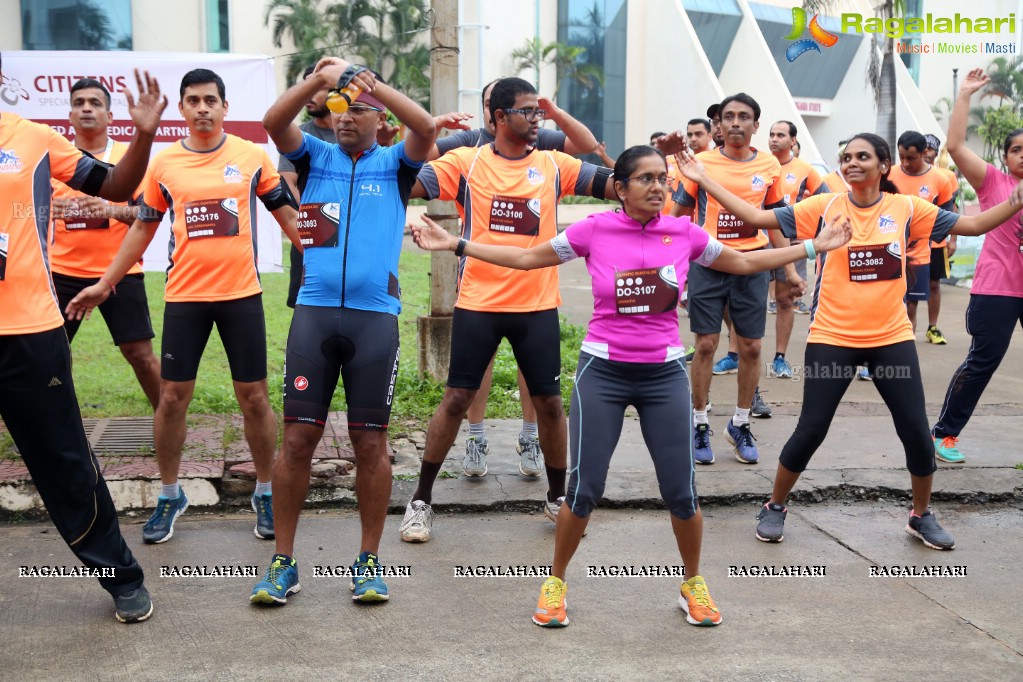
<point x="36" y="86"/>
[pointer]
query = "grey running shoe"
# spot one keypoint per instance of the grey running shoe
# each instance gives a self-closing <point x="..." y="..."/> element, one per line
<point x="134" y="606"/>
<point x="475" y="461"/>
<point x="759" y="408"/>
<point x="263" y="505"/>
<point x="772" y="523"/>
<point x="415" y="527"/>
<point x="926" y="528"/>
<point x="551" y="509"/>
<point x="530" y="457"/>
<point x="160" y="526"/>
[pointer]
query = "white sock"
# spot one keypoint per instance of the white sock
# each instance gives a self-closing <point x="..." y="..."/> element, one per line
<point x="170" y="491"/>
<point x="476" y="431"/>
<point x="740" y="417"/>
<point x="700" y="417"/>
<point x="263" y="488"/>
<point x="529" y="431"/>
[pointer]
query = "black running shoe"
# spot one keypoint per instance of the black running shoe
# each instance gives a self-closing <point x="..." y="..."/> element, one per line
<point x="772" y="523"/>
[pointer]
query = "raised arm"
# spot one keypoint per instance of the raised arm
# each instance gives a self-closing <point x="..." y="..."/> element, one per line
<point x="751" y="215"/>
<point x="123" y="178"/>
<point x="433" y="237"/>
<point x="579" y="140"/>
<point x="982" y="223"/>
<point x="969" y="164"/>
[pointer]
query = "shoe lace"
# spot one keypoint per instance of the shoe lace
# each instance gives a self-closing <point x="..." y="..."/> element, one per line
<point x="159" y="514"/>
<point x="267" y="507"/>
<point x="418" y="515"/>
<point x="366" y="570"/>
<point x="746" y="436"/>
<point x="552" y="593"/>
<point x="531" y="449"/>
<point x="274" y="572"/>
<point x="949" y="442"/>
<point x="473" y="451"/>
<point x="700" y="594"/>
<point x="703" y="436"/>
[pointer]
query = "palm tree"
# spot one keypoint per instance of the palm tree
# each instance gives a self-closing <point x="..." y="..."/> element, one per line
<point x="567" y="60"/>
<point x="304" y="23"/>
<point x="1006" y="80"/>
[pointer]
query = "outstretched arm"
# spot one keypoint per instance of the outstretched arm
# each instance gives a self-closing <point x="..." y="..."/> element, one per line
<point x="969" y="164"/>
<point x="835" y="234"/>
<point x="751" y="215"/>
<point x="983" y="223"/>
<point x="433" y="237"/>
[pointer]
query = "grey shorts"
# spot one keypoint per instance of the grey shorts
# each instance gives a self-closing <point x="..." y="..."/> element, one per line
<point x="745" y="295"/>
<point x="778" y="274"/>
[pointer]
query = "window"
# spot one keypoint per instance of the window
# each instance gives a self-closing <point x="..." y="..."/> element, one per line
<point x="218" y="34"/>
<point x="76" y="24"/>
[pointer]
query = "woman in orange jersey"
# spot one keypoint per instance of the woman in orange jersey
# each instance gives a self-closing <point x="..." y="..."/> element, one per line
<point x="858" y="316"/>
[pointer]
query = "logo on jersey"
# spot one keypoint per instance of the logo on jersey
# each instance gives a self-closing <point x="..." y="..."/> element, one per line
<point x="757" y="183"/>
<point x="886" y="224"/>
<point x="534" y="175"/>
<point x="301" y="383"/>
<point x="9" y="161"/>
<point x="818" y="36"/>
<point x="232" y="174"/>
<point x="925" y="191"/>
<point x="666" y="240"/>
<point x="11" y="91"/>
<point x="790" y="178"/>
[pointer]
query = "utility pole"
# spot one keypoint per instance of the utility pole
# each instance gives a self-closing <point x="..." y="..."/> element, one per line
<point x="435" y="328"/>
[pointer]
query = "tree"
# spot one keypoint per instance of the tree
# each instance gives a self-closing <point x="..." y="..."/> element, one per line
<point x="303" y="22"/>
<point x="994" y="128"/>
<point x="1006" y="80"/>
<point x="567" y="60"/>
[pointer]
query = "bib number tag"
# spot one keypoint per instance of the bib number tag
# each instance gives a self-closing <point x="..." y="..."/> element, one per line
<point x="318" y="224"/>
<point x="73" y="220"/>
<point x="646" y="292"/>
<point x="515" y="215"/>
<point x="875" y="262"/>
<point x="730" y="227"/>
<point x="211" y="218"/>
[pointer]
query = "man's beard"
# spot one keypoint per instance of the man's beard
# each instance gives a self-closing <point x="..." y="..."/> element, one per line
<point x="321" y="112"/>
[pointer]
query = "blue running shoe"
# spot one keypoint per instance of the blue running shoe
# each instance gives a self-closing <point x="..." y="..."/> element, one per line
<point x="743" y="440"/>
<point x="726" y="365"/>
<point x="367" y="583"/>
<point x="263" y="505"/>
<point x="863" y="374"/>
<point x="781" y="369"/>
<point x="281" y="581"/>
<point x="701" y="444"/>
<point x="160" y="526"/>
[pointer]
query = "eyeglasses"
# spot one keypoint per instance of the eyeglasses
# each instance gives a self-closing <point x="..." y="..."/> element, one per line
<point x="528" y="114"/>
<point x="361" y="110"/>
<point x="646" y="180"/>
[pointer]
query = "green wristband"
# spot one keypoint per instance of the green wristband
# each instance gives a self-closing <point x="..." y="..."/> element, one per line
<point x="810" y="252"/>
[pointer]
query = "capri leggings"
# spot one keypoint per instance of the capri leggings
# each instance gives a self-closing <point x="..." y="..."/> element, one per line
<point x="826" y="376"/>
<point x="660" y="393"/>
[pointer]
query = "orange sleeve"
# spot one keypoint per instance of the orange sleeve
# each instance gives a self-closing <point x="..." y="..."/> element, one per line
<point x="813" y="181"/>
<point x="448" y="171"/>
<point x="808" y="214"/>
<point x="149" y="191"/>
<point x="775" y="193"/>
<point x="269" y="178"/>
<point x="924" y="215"/>
<point x="64" y="156"/>
<point x="569" y="170"/>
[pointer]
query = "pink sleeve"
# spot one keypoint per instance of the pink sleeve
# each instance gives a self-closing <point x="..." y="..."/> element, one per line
<point x="698" y="239"/>
<point x="579" y="235"/>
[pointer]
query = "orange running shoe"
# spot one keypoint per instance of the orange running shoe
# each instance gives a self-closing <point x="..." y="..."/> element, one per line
<point x="696" y="602"/>
<point x="550" y="607"/>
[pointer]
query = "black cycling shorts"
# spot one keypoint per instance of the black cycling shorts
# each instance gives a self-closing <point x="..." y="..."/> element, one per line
<point x="187" y="327"/>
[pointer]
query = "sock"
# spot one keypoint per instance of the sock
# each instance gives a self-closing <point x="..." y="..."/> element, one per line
<point x="700" y="417"/>
<point x="476" y="431"/>
<point x="529" y="431"/>
<point x="556" y="481"/>
<point x="734" y="356"/>
<point x="740" y="417"/>
<point x="170" y="491"/>
<point x="775" y="507"/>
<point x="285" y="559"/>
<point x="262" y="489"/>
<point x="779" y="355"/>
<point x="427" y="475"/>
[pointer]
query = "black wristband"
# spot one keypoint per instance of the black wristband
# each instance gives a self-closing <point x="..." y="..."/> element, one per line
<point x="460" y="249"/>
<point x="348" y="74"/>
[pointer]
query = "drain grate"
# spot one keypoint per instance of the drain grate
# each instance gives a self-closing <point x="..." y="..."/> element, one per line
<point x="120" y="435"/>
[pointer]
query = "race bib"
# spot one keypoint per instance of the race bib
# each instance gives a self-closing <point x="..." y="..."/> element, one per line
<point x="730" y="227"/>
<point x="646" y="292"/>
<point x="211" y="218"/>
<point x="514" y="215"/>
<point x="74" y="221"/>
<point x="875" y="262"/>
<point x="4" y="241"/>
<point x="318" y="224"/>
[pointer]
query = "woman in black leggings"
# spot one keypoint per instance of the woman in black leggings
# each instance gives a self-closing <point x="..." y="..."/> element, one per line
<point x="858" y="315"/>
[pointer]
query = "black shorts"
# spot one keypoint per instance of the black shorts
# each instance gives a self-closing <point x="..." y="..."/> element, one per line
<point x="535" y="339"/>
<point x="918" y="285"/>
<point x="360" y="346"/>
<point x="295" y="276"/>
<point x="187" y="327"/>
<point x="746" y="296"/>
<point x="126" y="312"/>
<point x="939" y="263"/>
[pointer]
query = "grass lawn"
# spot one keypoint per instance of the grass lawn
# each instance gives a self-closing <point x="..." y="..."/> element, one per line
<point x="106" y="385"/>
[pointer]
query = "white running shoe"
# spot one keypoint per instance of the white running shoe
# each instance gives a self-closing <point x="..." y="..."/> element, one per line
<point x="415" y="527"/>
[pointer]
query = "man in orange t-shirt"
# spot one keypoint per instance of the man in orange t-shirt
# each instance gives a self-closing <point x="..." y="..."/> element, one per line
<point x="754" y="176"/>
<point x="507" y="193"/>
<point x="207" y="182"/>
<point x="38" y="402"/>
<point x="87" y="233"/>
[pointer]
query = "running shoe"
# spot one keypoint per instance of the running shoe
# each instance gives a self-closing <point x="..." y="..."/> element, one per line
<point x="415" y="527"/>
<point x="160" y="526"/>
<point x="696" y="602"/>
<point x="772" y="523"/>
<point x="935" y="336"/>
<point x="926" y="528"/>
<point x="864" y="374"/>
<point x="367" y="582"/>
<point x="133" y="606"/>
<point x="759" y="408"/>
<point x="726" y="365"/>
<point x="691" y="353"/>
<point x="702" y="452"/>
<point x="550" y="607"/>
<point x="279" y="583"/>
<point x="743" y="440"/>
<point x="801" y="308"/>
<point x="263" y="505"/>
<point x="772" y="307"/>
<point x="551" y="509"/>
<point x="946" y="449"/>
<point x="781" y="369"/>
<point x="475" y="461"/>
<point x="530" y="457"/>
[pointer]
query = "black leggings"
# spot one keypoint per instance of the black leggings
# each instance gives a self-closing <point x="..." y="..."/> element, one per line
<point x="828" y="370"/>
